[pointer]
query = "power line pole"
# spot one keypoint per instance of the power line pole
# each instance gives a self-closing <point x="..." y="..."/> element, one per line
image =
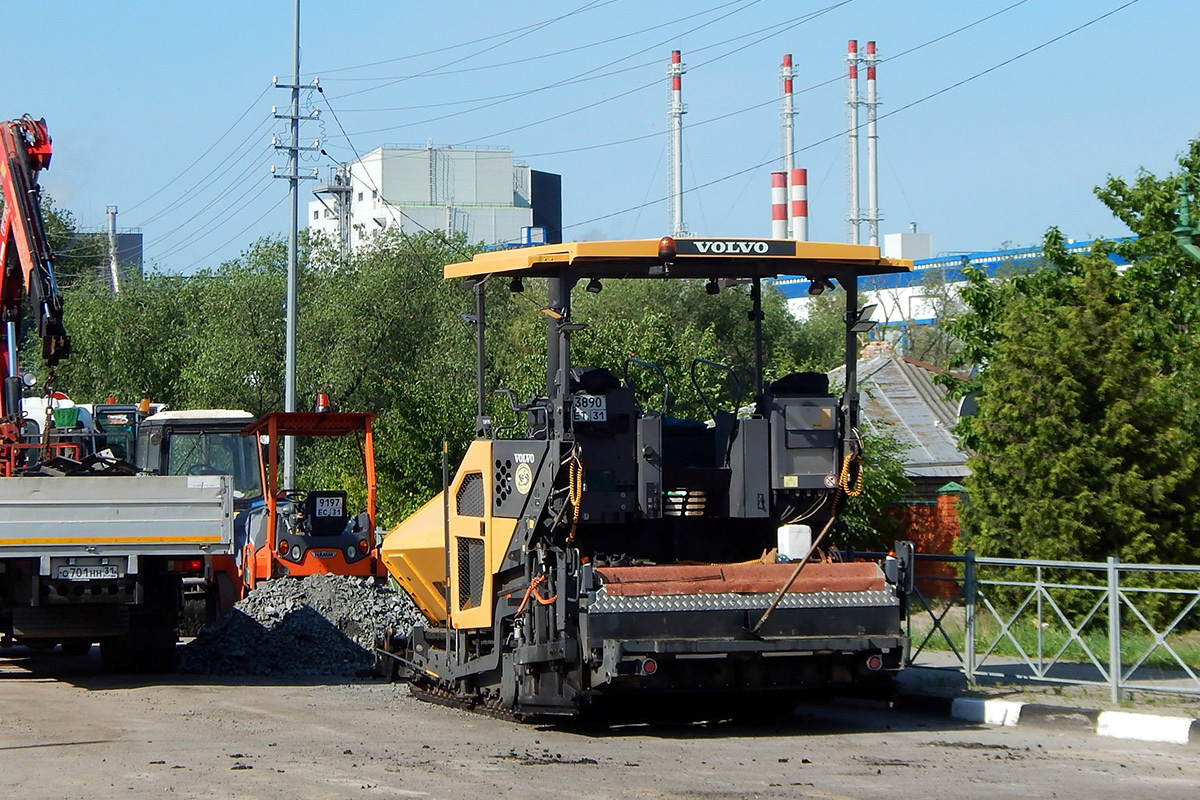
<point x="293" y="177"/>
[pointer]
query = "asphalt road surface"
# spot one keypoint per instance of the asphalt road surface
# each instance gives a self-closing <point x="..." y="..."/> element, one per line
<point x="70" y="731"/>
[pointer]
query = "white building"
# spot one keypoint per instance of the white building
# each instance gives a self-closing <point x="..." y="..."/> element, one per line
<point x="479" y="192"/>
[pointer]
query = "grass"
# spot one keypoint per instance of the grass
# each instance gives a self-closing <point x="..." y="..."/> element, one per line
<point x="1135" y="641"/>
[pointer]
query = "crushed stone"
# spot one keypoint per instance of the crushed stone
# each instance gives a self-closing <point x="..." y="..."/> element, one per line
<point x="322" y="625"/>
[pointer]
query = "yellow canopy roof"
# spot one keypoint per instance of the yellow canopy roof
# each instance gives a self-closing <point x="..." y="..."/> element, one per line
<point x="693" y="258"/>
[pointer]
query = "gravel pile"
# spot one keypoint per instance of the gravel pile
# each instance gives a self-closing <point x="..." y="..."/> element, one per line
<point x="321" y="625"/>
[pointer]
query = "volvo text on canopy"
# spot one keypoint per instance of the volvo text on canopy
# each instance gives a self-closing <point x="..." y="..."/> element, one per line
<point x="613" y="557"/>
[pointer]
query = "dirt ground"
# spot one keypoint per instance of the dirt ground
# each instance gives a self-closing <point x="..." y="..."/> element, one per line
<point x="71" y="731"/>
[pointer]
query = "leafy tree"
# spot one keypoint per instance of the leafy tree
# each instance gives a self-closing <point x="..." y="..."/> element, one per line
<point x="1080" y="453"/>
<point x="79" y="257"/>
<point x="129" y="344"/>
<point x="870" y="519"/>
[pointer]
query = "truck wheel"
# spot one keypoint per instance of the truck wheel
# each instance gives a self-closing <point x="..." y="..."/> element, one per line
<point x="116" y="655"/>
<point x="156" y="659"/>
<point x="76" y="647"/>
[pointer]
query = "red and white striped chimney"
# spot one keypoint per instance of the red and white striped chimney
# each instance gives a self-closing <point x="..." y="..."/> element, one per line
<point x="799" y="204"/>
<point x="675" y="112"/>
<point x="852" y="137"/>
<point x="788" y="118"/>
<point x="872" y="151"/>
<point x="779" y="219"/>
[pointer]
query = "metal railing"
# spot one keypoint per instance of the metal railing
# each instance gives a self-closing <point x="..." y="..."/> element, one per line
<point x="1068" y="622"/>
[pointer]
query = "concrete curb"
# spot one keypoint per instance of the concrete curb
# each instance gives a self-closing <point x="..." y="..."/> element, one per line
<point x="1113" y="724"/>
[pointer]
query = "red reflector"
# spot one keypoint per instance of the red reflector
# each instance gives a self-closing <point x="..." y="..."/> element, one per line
<point x="362" y="545"/>
<point x="649" y="666"/>
<point x="874" y="663"/>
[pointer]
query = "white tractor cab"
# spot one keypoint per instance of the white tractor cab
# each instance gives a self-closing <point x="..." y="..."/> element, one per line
<point x="202" y="442"/>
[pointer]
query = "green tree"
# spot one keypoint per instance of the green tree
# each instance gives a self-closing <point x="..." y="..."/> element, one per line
<point x="1080" y="453"/>
<point x="870" y="518"/>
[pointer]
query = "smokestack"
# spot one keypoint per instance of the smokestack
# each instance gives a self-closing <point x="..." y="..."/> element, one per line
<point x="779" y="221"/>
<point x="800" y="205"/>
<point x="852" y="135"/>
<point x="872" y="152"/>
<point x="789" y="125"/>
<point x="675" y="112"/>
<point x="114" y="273"/>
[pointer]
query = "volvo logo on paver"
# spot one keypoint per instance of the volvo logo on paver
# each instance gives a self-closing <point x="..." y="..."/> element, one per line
<point x="734" y="247"/>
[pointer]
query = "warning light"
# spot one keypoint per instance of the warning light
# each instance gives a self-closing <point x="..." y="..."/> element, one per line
<point x="666" y="248"/>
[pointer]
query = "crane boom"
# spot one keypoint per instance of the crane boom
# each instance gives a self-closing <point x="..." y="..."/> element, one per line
<point x="25" y="254"/>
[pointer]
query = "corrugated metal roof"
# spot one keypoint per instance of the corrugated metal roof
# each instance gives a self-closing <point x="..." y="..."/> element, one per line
<point x="900" y="399"/>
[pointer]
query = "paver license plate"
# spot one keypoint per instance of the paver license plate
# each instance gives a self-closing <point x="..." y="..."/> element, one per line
<point x="88" y="572"/>
<point x="590" y="408"/>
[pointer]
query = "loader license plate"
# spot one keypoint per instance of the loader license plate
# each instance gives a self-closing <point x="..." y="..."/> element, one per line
<point x="590" y="408"/>
<point x="329" y="506"/>
<point x="88" y="572"/>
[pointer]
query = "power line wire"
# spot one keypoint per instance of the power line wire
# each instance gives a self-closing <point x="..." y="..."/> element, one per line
<point x="193" y="191"/>
<point x="775" y="99"/>
<point x="775" y="31"/>
<point x="521" y="35"/>
<point x="569" y="50"/>
<point x="435" y="51"/>
<point x="590" y="74"/>
<point x="893" y="112"/>
<point x="239" y="233"/>
<point x="216" y="142"/>
<point x="224" y="195"/>
<point x="203" y="233"/>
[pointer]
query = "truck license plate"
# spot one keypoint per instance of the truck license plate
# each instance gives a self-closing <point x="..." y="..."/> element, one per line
<point x="88" y="572"/>
<point x="590" y="408"/>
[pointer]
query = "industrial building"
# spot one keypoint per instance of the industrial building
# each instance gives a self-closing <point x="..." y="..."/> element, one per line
<point x="905" y="299"/>
<point x="478" y="192"/>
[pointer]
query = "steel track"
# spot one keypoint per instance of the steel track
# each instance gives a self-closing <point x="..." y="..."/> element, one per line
<point x="476" y="704"/>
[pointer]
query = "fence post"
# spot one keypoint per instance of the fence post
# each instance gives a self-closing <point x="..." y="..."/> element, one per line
<point x="1114" y="629"/>
<point x="969" y="590"/>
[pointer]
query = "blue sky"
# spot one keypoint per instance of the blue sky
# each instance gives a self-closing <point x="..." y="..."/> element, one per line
<point x="135" y="93"/>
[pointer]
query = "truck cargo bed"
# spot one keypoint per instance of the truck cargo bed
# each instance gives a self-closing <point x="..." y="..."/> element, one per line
<point x="117" y="515"/>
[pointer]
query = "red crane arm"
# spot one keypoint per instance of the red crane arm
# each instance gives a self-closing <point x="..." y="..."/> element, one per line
<point x="25" y="253"/>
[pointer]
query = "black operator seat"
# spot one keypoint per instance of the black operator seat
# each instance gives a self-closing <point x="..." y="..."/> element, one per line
<point x="325" y="513"/>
